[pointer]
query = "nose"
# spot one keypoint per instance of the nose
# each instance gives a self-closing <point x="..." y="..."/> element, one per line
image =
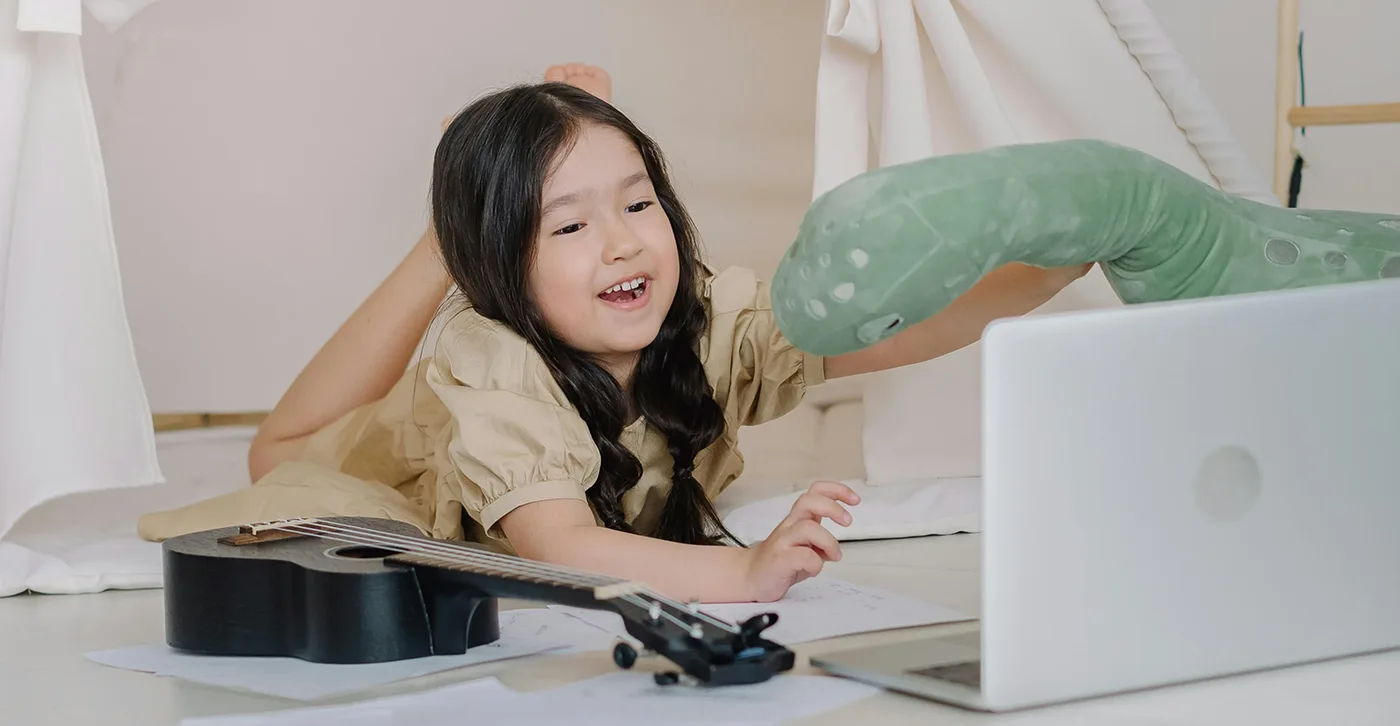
<point x="622" y="243"/>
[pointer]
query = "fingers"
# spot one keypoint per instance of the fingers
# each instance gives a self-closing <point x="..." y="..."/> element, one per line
<point x="821" y="501"/>
<point x="812" y="535"/>
<point x="807" y="564"/>
<point x="835" y="490"/>
<point x="813" y="507"/>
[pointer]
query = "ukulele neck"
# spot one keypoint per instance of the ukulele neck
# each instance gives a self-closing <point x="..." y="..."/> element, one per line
<point x="494" y="573"/>
<point x="596" y="587"/>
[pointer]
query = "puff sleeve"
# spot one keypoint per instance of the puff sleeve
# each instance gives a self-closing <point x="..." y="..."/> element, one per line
<point x="514" y="436"/>
<point x="758" y="375"/>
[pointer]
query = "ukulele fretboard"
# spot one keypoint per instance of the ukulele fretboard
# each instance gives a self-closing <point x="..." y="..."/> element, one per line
<point x="526" y="571"/>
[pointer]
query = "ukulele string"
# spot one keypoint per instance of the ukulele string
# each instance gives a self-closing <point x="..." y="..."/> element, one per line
<point x="467" y="555"/>
<point x="453" y="555"/>
<point x="455" y="548"/>
<point x="515" y="564"/>
<point x="442" y="557"/>
<point x="463" y="555"/>
<point x="450" y="555"/>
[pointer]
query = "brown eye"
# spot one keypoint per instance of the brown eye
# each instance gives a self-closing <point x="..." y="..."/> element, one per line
<point x="570" y="229"/>
<point x="639" y="206"/>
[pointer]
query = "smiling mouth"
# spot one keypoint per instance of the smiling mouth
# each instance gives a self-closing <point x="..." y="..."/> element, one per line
<point x="625" y="291"/>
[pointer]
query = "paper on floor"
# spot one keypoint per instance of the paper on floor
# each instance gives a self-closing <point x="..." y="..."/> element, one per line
<point x="523" y="632"/>
<point x="615" y="699"/>
<point x="823" y="607"/>
<point x="631" y="697"/>
<point x="482" y="695"/>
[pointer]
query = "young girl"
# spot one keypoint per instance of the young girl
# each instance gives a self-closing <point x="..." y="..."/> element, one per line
<point x="582" y="407"/>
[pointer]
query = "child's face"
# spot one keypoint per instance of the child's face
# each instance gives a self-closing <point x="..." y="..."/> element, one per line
<point x="603" y="226"/>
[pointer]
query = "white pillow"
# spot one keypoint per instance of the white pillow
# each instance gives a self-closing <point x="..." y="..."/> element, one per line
<point x="893" y="510"/>
<point x="925" y="421"/>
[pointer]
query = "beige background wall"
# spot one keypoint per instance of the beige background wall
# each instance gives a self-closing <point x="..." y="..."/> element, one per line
<point x="268" y="159"/>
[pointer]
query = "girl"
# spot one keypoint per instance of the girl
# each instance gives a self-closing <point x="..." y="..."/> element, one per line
<point x="582" y="407"/>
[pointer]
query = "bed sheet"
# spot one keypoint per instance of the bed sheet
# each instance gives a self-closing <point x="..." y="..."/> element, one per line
<point x="87" y="542"/>
<point x="887" y="510"/>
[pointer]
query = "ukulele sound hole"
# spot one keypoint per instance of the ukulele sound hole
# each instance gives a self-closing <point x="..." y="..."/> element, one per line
<point x="360" y="552"/>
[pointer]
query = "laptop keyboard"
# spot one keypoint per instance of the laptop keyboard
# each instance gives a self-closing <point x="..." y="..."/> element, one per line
<point x="968" y="674"/>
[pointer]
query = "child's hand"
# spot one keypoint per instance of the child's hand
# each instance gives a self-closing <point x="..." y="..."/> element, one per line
<point x="799" y="545"/>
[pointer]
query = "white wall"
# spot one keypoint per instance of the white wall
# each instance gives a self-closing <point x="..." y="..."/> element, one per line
<point x="268" y="159"/>
<point x="1350" y="56"/>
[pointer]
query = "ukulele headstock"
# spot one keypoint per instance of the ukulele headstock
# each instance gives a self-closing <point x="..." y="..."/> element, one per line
<point x="710" y="650"/>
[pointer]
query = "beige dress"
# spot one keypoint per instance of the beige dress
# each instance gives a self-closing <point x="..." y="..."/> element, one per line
<point x="481" y="428"/>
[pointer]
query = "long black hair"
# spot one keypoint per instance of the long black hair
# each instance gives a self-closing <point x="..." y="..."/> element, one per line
<point x="488" y="177"/>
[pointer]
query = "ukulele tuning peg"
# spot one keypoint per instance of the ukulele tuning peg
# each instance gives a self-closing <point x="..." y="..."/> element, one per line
<point x="757" y="624"/>
<point x="624" y="655"/>
<point x="666" y="678"/>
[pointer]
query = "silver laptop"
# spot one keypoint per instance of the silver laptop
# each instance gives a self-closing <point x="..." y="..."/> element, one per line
<point x="1174" y="492"/>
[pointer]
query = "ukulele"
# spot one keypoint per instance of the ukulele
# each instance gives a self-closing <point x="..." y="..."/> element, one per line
<point x="368" y="590"/>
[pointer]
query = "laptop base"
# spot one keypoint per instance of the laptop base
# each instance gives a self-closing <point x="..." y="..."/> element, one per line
<point x="944" y="668"/>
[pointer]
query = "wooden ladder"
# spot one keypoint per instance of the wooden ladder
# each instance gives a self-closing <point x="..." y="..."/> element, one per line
<point x="1288" y="115"/>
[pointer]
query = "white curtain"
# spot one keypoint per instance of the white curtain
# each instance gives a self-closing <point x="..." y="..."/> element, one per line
<point x="73" y="411"/>
<point x="987" y="73"/>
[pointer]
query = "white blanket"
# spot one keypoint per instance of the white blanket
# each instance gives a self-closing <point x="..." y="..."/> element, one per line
<point x="890" y="510"/>
<point x="87" y="542"/>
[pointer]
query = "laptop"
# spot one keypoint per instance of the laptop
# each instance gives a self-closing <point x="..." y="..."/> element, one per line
<point x="1174" y="492"/>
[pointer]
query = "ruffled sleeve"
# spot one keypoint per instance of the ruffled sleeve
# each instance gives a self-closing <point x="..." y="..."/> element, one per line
<point x="514" y="436"/>
<point x="758" y="375"/>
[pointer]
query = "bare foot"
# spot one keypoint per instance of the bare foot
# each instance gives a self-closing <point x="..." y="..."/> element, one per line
<point x="593" y="79"/>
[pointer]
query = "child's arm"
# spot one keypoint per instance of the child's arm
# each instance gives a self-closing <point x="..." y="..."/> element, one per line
<point x="563" y="532"/>
<point x="1011" y="290"/>
<point x="361" y="362"/>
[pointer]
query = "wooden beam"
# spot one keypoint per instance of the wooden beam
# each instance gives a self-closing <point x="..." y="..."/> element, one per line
<point x="1285" y="95"/>
<point x="1370" y="113"/>
<point x="185" y="421"/>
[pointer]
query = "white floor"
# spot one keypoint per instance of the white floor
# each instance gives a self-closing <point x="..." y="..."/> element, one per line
<point x="44" y="678"/>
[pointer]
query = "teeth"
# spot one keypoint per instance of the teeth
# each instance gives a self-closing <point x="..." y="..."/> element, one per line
<point x="632" y="284"/>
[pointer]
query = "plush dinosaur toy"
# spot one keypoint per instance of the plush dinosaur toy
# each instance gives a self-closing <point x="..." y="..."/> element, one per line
<point x="891" y="247"/>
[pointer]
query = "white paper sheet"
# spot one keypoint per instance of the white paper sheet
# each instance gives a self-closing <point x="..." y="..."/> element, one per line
<point x="484" y="695"/>
<point x="823" y="607"/>
<point x="523" y="632"/>
<point x="615" y="699"/>
<point x="631" y="697"/>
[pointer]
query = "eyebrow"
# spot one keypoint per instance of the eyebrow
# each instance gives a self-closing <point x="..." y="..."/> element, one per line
<point x="567" y="199"/>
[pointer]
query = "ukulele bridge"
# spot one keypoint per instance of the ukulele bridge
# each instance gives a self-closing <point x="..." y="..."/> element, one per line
<point x="264" y="532"/>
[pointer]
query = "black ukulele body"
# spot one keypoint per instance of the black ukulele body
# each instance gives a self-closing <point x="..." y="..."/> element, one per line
<point x="317" y="600"/>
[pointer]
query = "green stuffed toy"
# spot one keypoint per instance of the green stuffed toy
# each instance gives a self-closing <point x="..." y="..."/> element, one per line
<point x="892" y="247"/>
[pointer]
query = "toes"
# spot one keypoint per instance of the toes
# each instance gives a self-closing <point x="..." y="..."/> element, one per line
<point x="593" y="79"/>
